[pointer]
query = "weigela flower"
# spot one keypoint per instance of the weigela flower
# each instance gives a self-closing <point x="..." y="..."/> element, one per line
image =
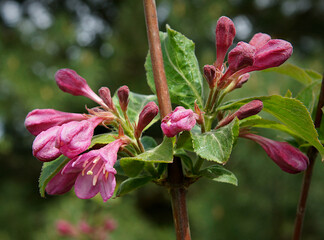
<point x="90" y="173"/>
<point x="123" y="93"/>
<point x="40" y="120"/>
<point x="247" y="110"/>
<point x="71" y="82"/>
<point x="180" y="119"/>
<point x="146" y="116"/>
<point x="287" y="157"/>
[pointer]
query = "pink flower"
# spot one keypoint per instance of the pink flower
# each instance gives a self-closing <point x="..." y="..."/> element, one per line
<point x="287" y="157"/>
<point x="69" y="81"/>
<point x="123" y="94"/>
<point x="247" y="110"/>
<point x="64" y="228"/>
<point x="210" y="74"/>
<point x="180" y="119"/>
<point x="240" y="57"/>
<point x="90" y="173"/>
<point x="146" y="116"/>
<point x="44" y="145"/>
<point x="225" y="33"/>
<point x="40" y="120"/>
<point x="259" y="40"/>
<point x="75" y="137"/>
<point x="105" y="95"/>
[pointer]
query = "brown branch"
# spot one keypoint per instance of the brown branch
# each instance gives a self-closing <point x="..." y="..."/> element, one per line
<point x="312" y="154"/>
<point x="175" y="178"/>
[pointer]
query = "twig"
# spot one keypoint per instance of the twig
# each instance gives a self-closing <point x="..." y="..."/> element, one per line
<point x="312" y="153"/>
<point x="175" y="173"/>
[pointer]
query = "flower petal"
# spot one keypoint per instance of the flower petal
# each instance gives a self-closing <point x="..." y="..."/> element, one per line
<point x="107" y="187"/>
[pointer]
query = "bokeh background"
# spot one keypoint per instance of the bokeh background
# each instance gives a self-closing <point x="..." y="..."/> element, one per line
<point x="105" y="42"/>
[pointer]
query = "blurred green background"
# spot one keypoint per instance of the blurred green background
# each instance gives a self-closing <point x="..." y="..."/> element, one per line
<point x="105" y="42"/>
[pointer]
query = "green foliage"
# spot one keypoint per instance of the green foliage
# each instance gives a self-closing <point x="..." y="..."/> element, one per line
<point x="131" y="184"/>
<point x="216" y="145"/>
<point x="105" y="138"/>
<point x="309" y="95"/>
<point x="291" y="112"/>
<point x="304" y="76"/>
<point x="181" y="68"/>
<point x="218" y="173"/>
<point x="49" y="170"/>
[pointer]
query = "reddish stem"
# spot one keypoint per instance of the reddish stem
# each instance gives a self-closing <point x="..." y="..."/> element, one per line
<point x="312" y="153"/>
<point x="175" y="173"/>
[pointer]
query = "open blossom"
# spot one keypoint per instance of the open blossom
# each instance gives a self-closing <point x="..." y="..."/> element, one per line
<point x="40" y="120"/>
<point x="90" y="173"/>
<point x="287" y="157"/>
<point x="180" y="119"/>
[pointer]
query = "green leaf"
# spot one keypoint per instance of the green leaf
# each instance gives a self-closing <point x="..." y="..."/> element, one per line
<point x="308" y="95"/>
<point x="219" y="174"/>
<point x="293" y="71"/>
<point x="148" y="142"/>
<point x="291" y="112"/>
<point x="163" y="153"/>
<point x="131" y="167"/>
<point x="185" y="141"/>
<point x="181" y="68"/>
<point x="131" y="184"/>
<point x="105" y="138"/>
<point x="135" y="106"/>
<point x="49" y="170"/>
<point x="216" y="145"/>
<point x="264" y="123"/>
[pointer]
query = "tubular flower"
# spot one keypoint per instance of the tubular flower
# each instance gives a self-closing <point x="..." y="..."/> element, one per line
<point x="247" y="110"/>
<point x="146" y="116"/>
<point x="287" y="157"/>
<point x="75" y="137"/>
<point x="90" y="173"/>
<point x="180" y="119"/>
<point x="71" y="82"/>
<point x="40" y="120"/>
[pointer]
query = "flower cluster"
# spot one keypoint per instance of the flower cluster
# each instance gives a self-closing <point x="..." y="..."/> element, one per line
<point x="70" y="134"/>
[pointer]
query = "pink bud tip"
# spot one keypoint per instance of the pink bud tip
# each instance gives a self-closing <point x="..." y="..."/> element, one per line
<point x="105" y="95"/>
<point x="249" y="109"/>
<point x="259" y="40"/>
<point x="123" y="93"/>
<point x="240" y="57"/>
<point x="69" y="81"/>
<point x="225" y="33"/>
<point x="210" y="75"/>
<point x="287" y="157"/>
<point x="242" y="80"/>
<point x="179" y="120"/>
<point x="148" y="113"/>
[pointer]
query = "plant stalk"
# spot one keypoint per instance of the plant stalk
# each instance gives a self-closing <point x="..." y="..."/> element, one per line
<point x="175" y="173"/>
<point x="312" y="153"/>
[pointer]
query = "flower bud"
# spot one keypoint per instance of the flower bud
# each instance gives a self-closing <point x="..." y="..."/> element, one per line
<point x="179" y="120"/>
<point x="85" y="227"/>
<point x="210" y="75"/>
<point x="123" y="93"/>
<point x="240" y="57"/>
<point x="105" y="95"/>
<point x="247" y="110"/>
<point x="225" y="33"/>
<point x="64" y="228"/>
<point x="242" y="79"/>
<point x="69" y="81"/>
<point x="259" y="40"/>
<point x="40" y="120"/>
<point x="44" y="145"/>
<point x="74" y="137"/>
<point x="148" y="113"/>
<point x="110" y="225"/>
<point x="287" y="157"/>
<point x="274" y="53"/>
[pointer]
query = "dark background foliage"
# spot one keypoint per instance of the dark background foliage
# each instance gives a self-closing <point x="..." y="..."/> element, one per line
<point x="105" y="42"/>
